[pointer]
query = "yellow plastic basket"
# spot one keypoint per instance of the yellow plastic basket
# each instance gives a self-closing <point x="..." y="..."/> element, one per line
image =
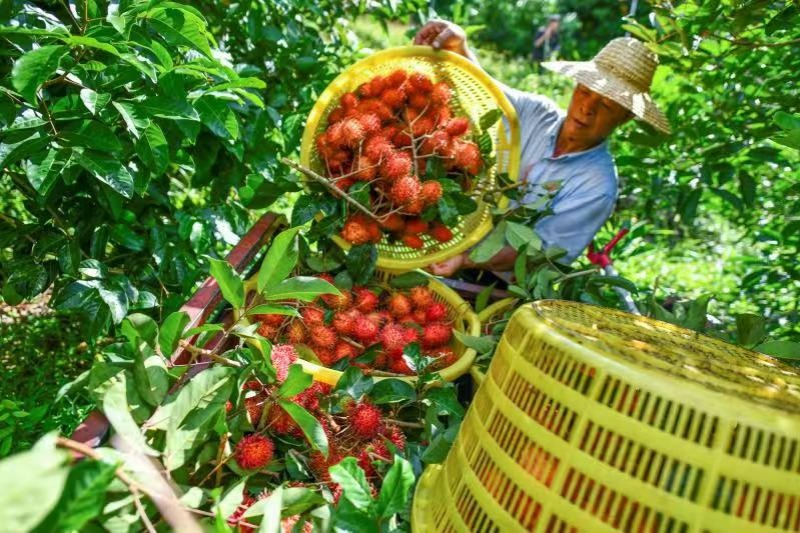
<point x="487" y="316"/>
<point x="460" y="313"/>
<point x="475" y="93"/>
<point x="592" y="419"/>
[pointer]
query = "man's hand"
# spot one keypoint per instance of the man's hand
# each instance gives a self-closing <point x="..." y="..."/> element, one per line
<point x="442" y="34"/>
<point x="450" y="266"/>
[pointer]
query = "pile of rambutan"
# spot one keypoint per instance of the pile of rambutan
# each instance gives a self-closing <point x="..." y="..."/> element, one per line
<point x="384" y="134"/>
<point x="365" y="328"/>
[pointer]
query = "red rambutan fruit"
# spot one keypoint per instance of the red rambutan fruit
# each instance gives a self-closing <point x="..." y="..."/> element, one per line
<point x="296" y="332"/>
<point x="312" y="315"/>
<point x="344" y="321"/>
<point x="392" y="338"/>
<point x="415" y="226"/>
<point x="399" y="365"/>
<point x="283" y="356"/>
<point x="348" y="100"/>
<point x="441" y="114"/>
<point x="396" y="165"/>
<point x="457" y="127"/>
<point x="366" y="420"/>
<point x="420" y="317"/>
<point x="468" y="157"/>
<point x="435" y="143"/>
<point x="267" y="331"/>
<point x="417" y="101"/>
<point x="421" y="297"/>
<point x="405" y="190"/>
<point x="423" y="126"/>
<point x="421" y="82"/>
<point x="338" y="301"/>
<point x="254" y="451"/>
<point x="322" y="336"/>
<point x="345" y="350"/>
<point x="377" y="148"/>
<point x="436" y="334"/>
<point x="436" y="312"/>
<point x="356" y="230"/>
<point x="431" y="192"/>
<point x="395" y="435"/>
<point x="336" y="115"/>
<point x="440" y="232"/>
<point x="365" y="330"/>
<point x="398" y="304"/>
<point x="370" y="122"/>
<point x="396" y="78"/>
<point x="377" y="107"/>
<point x="394" y="223"/>
<point x="394" y="97"/>
<point x="365" y="300"/>
<point x="280" y="423"/>
<point x="344" y="184"/>
<point x="413" y="241"/>
<point x="441" y="93"/>
<point x="402" y="139"/>
<point x="352" y="132"/>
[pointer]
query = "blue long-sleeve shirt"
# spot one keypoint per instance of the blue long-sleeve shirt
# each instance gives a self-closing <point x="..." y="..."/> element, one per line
<point x="585" y="183"/>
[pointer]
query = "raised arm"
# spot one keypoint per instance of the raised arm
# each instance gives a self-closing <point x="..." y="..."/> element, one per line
<point x="445" y="35"/>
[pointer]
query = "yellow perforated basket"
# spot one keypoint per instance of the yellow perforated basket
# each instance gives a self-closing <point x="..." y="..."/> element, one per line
<point x="460" y="313"/>
<point x="475" y="93"/>
<point x="487" y="317"/>
<point x="592" y="419"/>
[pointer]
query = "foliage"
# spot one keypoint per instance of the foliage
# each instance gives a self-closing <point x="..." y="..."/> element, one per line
<point x="191" y="426"/>
<point x="134" y="142"/>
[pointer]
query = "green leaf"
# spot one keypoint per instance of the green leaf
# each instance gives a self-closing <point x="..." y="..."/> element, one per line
<point x="180" y="27"/>
<point x="519" y="235"/>
<point x="272" y="309"/>
<point x="780" y="349"/>
<point x="296" y="382"/>
<point x="786" y="121"/>
<point x="444" y="402"/>
<point x="311" y="427"/>
<point x="41" y="172"/>
<point x="230" y="283"/>
<point x="280" y="260"/>
<point x="361" y="262"/>
<point x="153" y="149"/>
<point x="396" y="488"/>
<point x="171" y="332"/>
<point x="354" y="383"/>
<point x="136" y="119"/>
<point x="354" y="484"/>
<point x="303" y="288"/>
<point x="11" y="153"/>
<point x="150" y="374"/>
<point x="33" y="68"/>
<point x="482" y="299"/>
<point x="232" y="498"/>
<point x="696" y="315"/>
<point x="82" y="499"/>
<point x="391" y="391"/>
<point x="408" y="280"/>
<point x="218" y="116"/>
<point x="118" y="413"/>
<point x="490" y="245"/>
<point x="750" y="328"/>
<point x="91" y="134"/>
<point x="615" y="281"/>
<point x="207" y="389"/>
<point x="91" y="42"/>
<point x="93" y="101"/>
<point x="484" y="344"/>
<point x="490" y="118"/>
<point x="270" y="508"/>
<point x="436" y="452"/>
<point x="38" y="476"/>
<point x="107" y="169"/>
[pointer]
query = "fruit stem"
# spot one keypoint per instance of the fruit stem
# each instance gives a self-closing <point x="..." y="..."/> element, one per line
<point x="337" y="192"/>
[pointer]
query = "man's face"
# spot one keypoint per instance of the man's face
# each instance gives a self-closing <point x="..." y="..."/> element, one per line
<point x="592" y="117"/>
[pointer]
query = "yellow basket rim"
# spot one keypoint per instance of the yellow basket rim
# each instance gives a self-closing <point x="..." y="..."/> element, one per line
<point x="459" y="368"/>
<point x="754" y="410"/>
<point x="341" y="82"/>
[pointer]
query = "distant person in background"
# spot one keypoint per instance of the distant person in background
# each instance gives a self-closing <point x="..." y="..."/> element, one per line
<point x="545" y="43"/>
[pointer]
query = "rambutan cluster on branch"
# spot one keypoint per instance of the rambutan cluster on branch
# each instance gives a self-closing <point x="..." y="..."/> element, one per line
<point x="383" y="136"/>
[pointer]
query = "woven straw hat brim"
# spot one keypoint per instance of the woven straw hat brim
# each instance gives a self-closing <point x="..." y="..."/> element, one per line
<point x="601" y="81"/>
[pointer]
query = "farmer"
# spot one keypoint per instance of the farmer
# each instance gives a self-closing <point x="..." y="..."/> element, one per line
<point x="567" y="153"/>
<point x="545" y="42"/>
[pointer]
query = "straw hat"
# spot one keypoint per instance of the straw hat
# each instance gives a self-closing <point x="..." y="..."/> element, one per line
<point x="621" y="71"/>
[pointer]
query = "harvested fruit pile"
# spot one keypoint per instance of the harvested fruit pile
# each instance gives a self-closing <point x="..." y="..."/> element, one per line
<point x="395" y="145"/>
<point x="352" y="429"/>
<point x="367" y="329"/>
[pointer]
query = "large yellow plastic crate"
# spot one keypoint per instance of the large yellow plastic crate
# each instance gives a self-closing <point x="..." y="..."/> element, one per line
<point x="459" y="312"/>
<point x="596" y="420"/>
<point x="475" y="93"/>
